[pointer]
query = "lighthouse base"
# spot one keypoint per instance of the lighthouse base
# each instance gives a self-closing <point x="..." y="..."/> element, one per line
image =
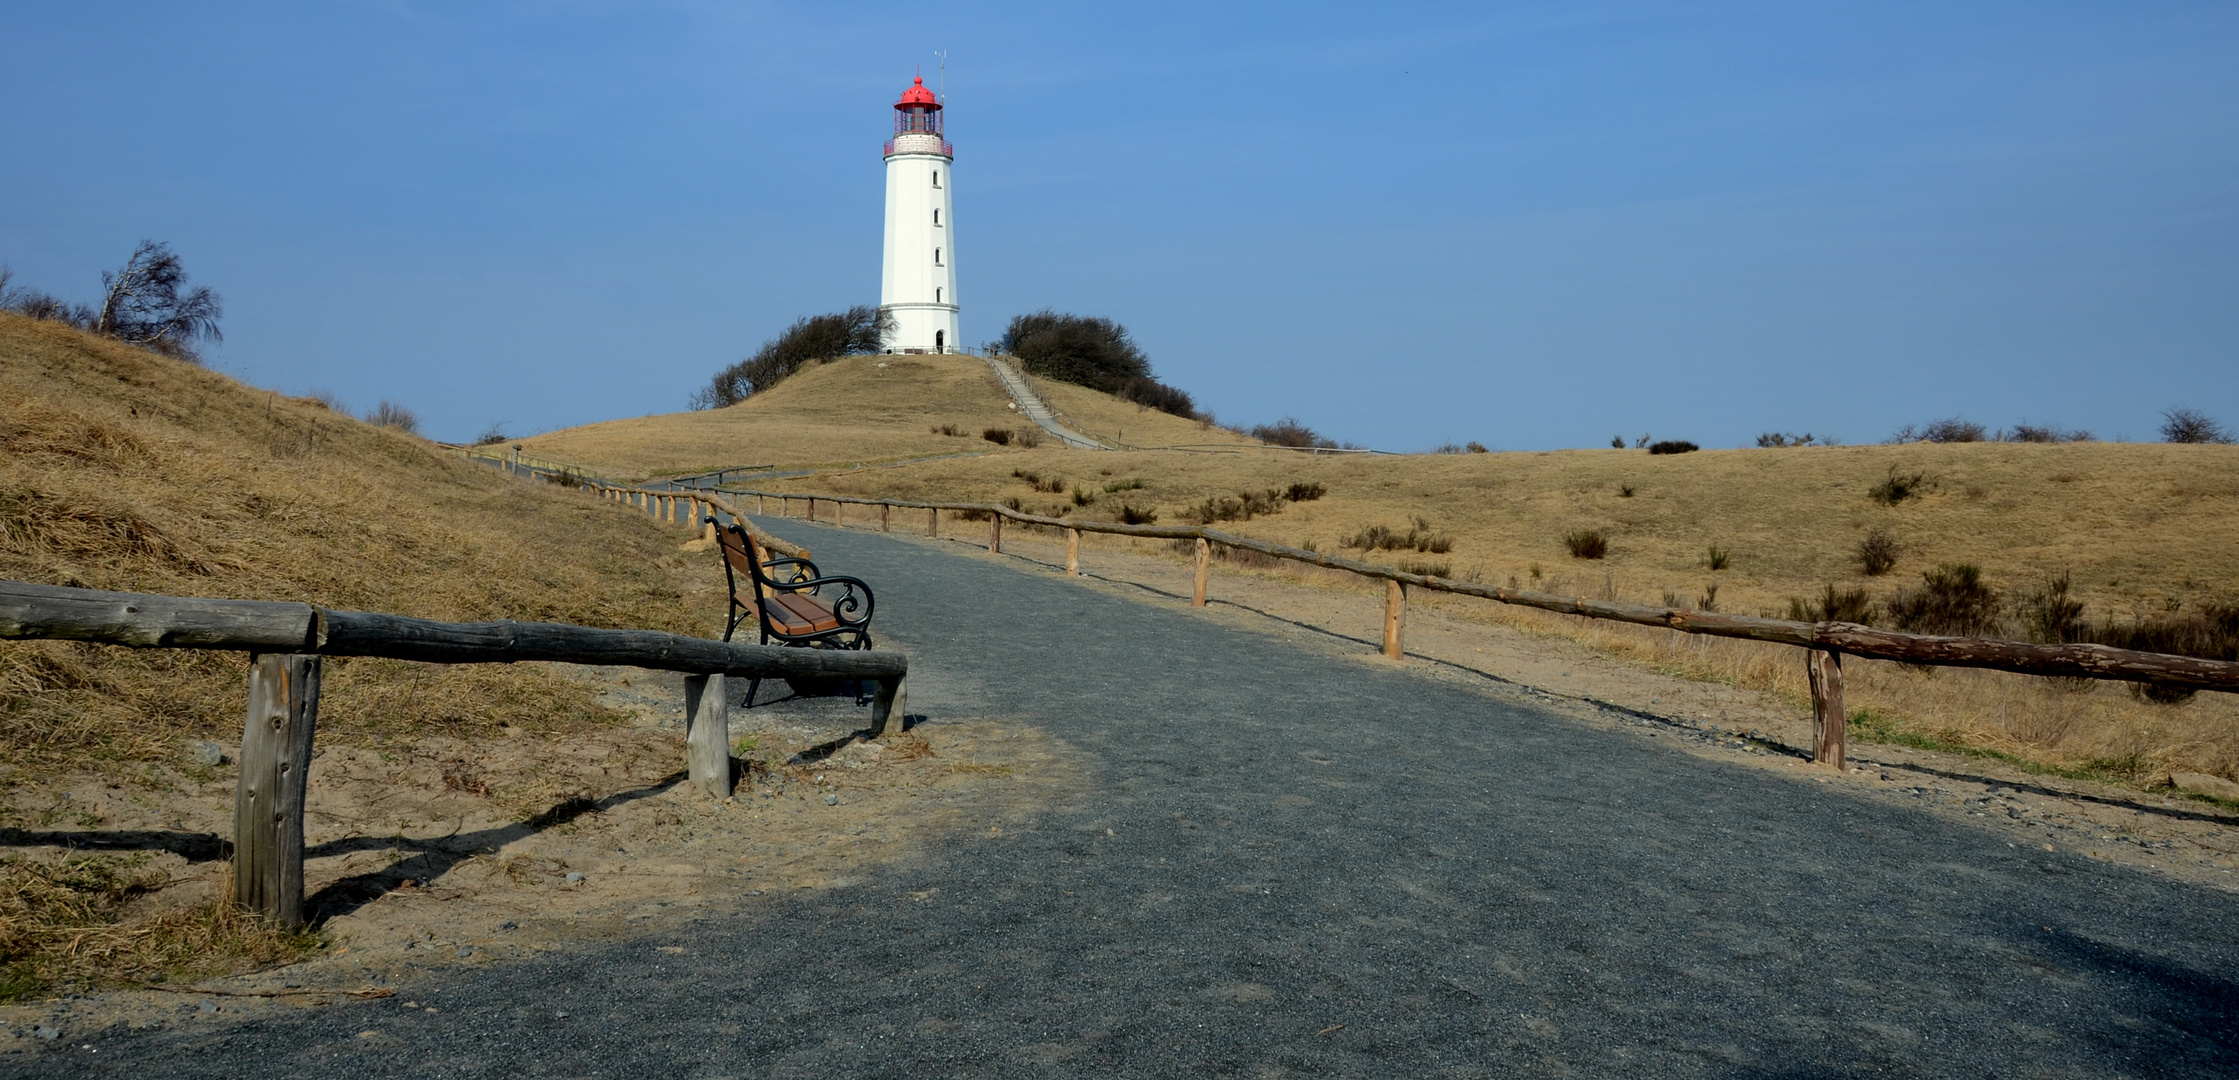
<point x="923" y="328"/>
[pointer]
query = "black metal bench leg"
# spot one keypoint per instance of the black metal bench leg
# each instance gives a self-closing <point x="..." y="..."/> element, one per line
<point x="751" y="687"/>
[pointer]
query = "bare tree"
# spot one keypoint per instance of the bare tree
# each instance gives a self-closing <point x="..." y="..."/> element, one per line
<point x="389" y="414"/>
<point x="2191" y="426"/>
<point x="859" y="329"/>
<point x="142" y="303"/>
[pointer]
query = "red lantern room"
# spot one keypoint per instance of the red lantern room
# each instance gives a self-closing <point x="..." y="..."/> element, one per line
<point x="918" y="111"/>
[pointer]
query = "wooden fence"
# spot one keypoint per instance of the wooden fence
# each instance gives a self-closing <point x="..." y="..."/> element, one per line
<point x="1825" y="643"/>
<point x="285" y="642"/>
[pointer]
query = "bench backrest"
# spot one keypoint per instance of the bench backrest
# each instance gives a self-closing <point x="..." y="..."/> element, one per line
<point x="742" y="559"/>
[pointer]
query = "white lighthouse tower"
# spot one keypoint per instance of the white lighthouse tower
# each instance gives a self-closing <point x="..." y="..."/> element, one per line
<point x="918" y="285"/>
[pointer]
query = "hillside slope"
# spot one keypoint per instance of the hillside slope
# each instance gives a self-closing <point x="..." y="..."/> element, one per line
<point x="853" y="409"/>
<point x="121" y="469"/>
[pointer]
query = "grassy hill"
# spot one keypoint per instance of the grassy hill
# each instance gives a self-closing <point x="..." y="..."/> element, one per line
<point x="122" y="469"/>
<point x="2142" y="531"/>
<point x="854" y="409"/>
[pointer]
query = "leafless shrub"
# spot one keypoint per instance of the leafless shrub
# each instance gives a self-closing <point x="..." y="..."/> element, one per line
<point x="1950" y="430"/>
<point x="491" y="435"/>
<point x="1673" y="446"/>
<point x="389" y="414"/>
<point x="1289" y="432"/>
<point x="2026" y="432"/>
<point x="1028" y="437"/>
<point x="997" y="435"/>
<point x="2191" y="426"/>
<point x="142" y="303"/>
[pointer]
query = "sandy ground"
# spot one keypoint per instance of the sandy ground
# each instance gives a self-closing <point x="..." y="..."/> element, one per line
<point x="438" y="854"/>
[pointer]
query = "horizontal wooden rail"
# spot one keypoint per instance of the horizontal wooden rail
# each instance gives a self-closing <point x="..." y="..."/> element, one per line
<point x="287" y="640"/>
<point x="2067" y="661"/>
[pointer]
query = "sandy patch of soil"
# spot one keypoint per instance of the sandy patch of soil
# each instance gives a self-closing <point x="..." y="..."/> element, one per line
<point x="438" y="853"/>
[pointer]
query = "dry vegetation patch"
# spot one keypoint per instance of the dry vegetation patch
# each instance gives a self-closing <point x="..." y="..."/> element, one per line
<point x="122" y="469"/>
<point x="2141" y="532"/>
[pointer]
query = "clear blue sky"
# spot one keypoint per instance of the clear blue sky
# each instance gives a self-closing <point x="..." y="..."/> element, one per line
<point x="1530" y="225"/>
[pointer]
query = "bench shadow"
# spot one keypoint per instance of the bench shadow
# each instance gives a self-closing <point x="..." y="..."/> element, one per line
<point x="436" y="856"/>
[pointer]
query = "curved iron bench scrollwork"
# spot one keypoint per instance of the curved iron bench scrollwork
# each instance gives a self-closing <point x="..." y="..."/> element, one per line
<point x="791" y="601"/>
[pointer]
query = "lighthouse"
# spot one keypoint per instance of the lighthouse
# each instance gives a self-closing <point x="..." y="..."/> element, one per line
<point x="918" y="283"/>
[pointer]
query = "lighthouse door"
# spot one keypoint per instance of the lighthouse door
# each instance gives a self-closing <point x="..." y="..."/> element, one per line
<point x="940" y="341"/>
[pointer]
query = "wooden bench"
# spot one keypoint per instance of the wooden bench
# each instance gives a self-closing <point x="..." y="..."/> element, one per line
<point x="787" y="598"/>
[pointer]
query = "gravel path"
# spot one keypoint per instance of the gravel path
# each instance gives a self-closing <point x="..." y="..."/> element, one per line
<point x="1288" y="861"/>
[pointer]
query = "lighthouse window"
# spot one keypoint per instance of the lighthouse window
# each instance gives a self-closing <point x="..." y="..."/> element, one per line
<point x="936" y="217"/>
<point x="936" y="256"/>
<point x="936" y="178"/>
<point x="936" y="295"/>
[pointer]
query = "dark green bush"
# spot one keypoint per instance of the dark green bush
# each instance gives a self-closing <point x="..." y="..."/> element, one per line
<point x="1953" y="600"/>
<point x="1132" y="515"/>
<point x="1878" y="552"/>
<point x="1672" y="446"/>
<point x="1897" y="487"/>
<point x="998" y="436"/>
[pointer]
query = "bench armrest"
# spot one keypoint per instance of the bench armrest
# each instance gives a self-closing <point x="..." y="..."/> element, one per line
<point x="853" y="604"/>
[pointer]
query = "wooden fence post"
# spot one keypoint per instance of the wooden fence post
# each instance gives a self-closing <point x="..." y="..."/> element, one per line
<point x="932" y="521"/>
<point x="1825" y="669"/>
<point x="1395" y="618"/>
<point x="886" y="707"/>
<point x="1073" y="551"/>
<point x="995" y="533"/>
<point x="707" y="516"/>
<point x="759" y="507"/>
<point x="883" y="511"/>
<point x="812" y="508"/>
<point x="268" y="804"/>
<point x="707" y="733"/>
<point x="1204" y="570"/>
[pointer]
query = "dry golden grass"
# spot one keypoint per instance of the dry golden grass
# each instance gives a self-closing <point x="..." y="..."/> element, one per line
<point x="121" y="469"/>
<point x="72" y="918"/>
<point x="1095" y="413"/>
<point x="853" y="409"/>
<point x="2141" y="528"/>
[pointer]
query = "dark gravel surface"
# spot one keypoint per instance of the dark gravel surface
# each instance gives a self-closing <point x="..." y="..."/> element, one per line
<point x="1292" y="863"/>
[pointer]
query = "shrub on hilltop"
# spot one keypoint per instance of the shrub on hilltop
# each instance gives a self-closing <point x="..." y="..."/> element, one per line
<point x="1091" y="352"/>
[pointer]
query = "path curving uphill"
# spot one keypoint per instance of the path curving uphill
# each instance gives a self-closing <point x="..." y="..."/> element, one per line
<point x="1031" y="404"/>
<point x="1292" y="861"/>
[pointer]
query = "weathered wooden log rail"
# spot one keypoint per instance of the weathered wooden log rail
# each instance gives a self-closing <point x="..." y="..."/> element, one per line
<point x="286" y="640"/>
<point x="1825" y="642"/>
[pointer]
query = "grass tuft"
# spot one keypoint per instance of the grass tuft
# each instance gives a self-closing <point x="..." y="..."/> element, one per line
<point x="1587" y="544"/>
